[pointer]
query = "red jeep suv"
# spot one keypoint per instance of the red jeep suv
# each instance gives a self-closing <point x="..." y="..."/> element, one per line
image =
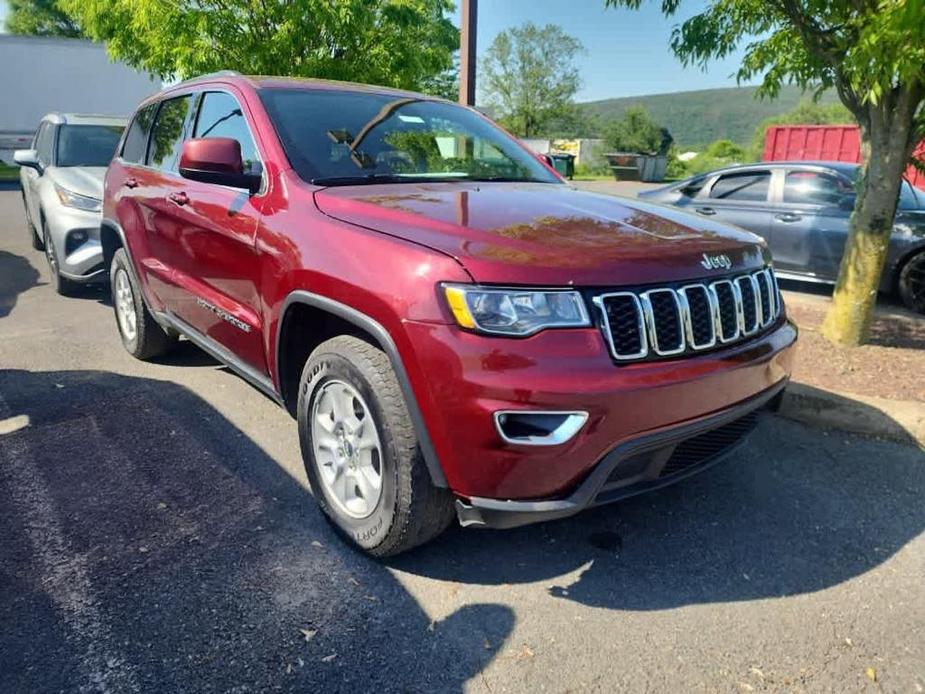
<point x="456" y="330"/>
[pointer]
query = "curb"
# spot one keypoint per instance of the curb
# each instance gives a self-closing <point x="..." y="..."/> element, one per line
<point x="897" y="420"/>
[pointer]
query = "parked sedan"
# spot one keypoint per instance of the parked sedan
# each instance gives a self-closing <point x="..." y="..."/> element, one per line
<point x="62" y="186"/>
<point x="802" y="210"/>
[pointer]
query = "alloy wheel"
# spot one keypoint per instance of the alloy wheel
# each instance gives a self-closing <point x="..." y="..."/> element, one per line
<point x="347" y="449"/>
<point x="913" y="283"/>
<point x="125" y="305"/>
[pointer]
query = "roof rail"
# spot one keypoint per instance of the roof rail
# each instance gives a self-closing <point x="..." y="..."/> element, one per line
<point x="219" y="73"/>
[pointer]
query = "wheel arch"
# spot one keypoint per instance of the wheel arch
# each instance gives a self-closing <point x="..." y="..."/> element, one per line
<point x="300" y="307"/>
<point x="112" y="238"/>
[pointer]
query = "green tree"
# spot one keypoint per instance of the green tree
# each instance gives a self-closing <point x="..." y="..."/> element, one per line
<point x="39" y="18"/>
<point x="398" y="43"/>
<point x="636" y="131"/>
<point x="529" y="78"/>
<point x="873" y="54"/>
<point x="806" y="113"/>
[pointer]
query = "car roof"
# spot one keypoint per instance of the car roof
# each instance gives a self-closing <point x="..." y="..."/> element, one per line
<point x="85" y="119"/>
<point x="276" y="82"/>
<point x="844" y="167"/>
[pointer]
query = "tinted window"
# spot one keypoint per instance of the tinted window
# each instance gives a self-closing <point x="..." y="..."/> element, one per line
<point x="360" y="136"/>
<point x="87" y="145"/>
<point x="43" y="141"/>
<point x="220" y="116"/>
<point x="749" y="186"/>
<point x="815" y="188"/>
<point x="167" y="134"/>
<point x="136" y="141"/>
<point x="908" y="198"/>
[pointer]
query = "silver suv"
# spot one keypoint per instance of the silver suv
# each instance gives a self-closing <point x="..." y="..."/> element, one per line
<point x="62" y="186"/>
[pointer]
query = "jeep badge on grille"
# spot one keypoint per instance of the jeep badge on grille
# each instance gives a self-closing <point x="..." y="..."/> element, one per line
<point x="715" y="262"/>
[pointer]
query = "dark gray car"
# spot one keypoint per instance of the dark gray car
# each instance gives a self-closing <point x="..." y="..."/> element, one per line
<point x="802" y="210"/>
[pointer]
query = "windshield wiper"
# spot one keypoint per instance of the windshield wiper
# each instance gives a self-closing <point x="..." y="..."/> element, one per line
<point x="368" y="179"/>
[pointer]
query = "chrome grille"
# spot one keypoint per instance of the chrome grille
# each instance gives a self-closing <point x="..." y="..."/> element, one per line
<point x="668" y="321"/>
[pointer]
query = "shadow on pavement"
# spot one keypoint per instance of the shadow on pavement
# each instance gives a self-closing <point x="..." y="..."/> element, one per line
<point x="17" y="275"/>
<point x="149" y="545"/>
<point x="796" y="510"/>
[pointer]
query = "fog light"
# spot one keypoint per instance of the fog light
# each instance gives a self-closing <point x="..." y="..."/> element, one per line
<point x="534" y="428"/>
<point x="74" y="241"/>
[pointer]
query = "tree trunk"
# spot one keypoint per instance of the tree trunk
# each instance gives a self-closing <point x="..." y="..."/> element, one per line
<point x="847" y="322"/>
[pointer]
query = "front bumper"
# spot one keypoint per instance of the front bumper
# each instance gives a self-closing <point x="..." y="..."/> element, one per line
<point x="78" y="261"/>
<point x="463" y="379"/>
<point x="634" y="467"/>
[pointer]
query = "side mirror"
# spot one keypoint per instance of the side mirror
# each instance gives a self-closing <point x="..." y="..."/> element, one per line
<point x="846" y="202"/>
<point x="28" y="158"/>
<point x="548" y="161"/>
<point x="217" y="160"/>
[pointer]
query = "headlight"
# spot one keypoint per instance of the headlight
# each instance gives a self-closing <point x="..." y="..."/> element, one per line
<point x="80" y="202"/>
<point x="515" y="311"/>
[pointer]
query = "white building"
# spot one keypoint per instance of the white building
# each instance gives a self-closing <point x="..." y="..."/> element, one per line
<point x="39" y="75"/>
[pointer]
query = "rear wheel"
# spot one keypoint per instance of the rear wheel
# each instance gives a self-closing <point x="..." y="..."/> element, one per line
<point x="141" y="335"/>
<point x="62" y="285"/>
<point x="361" y="453"/>
<point x="912" y="283"/>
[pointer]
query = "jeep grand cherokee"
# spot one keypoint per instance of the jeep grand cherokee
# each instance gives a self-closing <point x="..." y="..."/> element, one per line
<point x="457" y="332"/>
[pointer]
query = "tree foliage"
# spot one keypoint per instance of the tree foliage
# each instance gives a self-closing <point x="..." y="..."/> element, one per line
<point x="636" y="131"/>
<point x="39" y="18"/>
<point x="872" y="52"/>
<point x="529" y="78"/>
<point x="399" y="43"/>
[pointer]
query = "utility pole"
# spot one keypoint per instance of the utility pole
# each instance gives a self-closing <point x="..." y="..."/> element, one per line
<point x="467" y="53"/>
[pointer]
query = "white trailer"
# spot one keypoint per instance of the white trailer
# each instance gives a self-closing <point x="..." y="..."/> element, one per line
<point x="39" y="75"/>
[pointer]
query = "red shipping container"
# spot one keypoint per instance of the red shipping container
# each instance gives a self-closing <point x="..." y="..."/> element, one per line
<point x="824" y="143"/>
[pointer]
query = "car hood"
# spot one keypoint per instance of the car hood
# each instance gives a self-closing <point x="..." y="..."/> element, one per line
<point x="546" y="234"/>
<point x="83" y="180"/>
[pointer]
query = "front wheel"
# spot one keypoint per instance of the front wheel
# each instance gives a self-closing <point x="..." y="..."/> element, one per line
<point x="912" y="283"/>
<point x="62" y="285"/>
<point x="37" y="242"/>
<point x="141" y="335"/>
<point x="361" y="453"/>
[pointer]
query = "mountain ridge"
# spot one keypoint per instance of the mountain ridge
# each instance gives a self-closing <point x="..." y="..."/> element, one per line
<point x="698" y="117"/>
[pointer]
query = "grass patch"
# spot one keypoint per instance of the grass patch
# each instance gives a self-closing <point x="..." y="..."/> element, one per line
<point x="9" y="173"/>
<point x="593" y="177"/>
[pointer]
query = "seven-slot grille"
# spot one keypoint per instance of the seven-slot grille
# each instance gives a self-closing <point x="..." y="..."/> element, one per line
<point x="667" y="321"/>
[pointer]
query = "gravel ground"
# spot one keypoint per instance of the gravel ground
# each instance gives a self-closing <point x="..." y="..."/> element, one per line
<point x="157" y="536"/>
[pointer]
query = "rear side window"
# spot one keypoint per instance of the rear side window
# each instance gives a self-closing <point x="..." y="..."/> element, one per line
<point x="167" y="134"/>
<point x="751" y="186"/>
<point x="136" y="141"/>
<point x="220" y="115"/>
<point x="814" y="188"/>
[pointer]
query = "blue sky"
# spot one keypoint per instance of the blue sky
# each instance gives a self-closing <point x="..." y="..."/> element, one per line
<point x="626" y="53"/>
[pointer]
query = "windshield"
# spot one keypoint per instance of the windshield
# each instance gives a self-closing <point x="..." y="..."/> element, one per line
<point x="87" y="145"/>
<point x="338" y="138"/>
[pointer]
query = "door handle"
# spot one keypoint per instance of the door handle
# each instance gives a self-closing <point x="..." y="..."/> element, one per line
<point x="180" y="198"/>
<point x="131" y="183"/>
<point x="788" y="217"/>
<point x="705" y="210"/>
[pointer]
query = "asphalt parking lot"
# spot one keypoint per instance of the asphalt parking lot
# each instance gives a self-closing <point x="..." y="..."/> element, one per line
<point x="156" y="535"/>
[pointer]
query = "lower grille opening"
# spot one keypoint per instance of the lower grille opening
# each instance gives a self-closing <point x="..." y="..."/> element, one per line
<point x="709" y="445"/>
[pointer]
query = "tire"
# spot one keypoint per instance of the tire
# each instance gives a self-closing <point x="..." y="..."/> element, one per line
<point x="408" y="510"/>
<point x="62" y="285"/>
<point x="911" y="283"/>
<point x="141" y="335"/>
<point x="37" y="242"/>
